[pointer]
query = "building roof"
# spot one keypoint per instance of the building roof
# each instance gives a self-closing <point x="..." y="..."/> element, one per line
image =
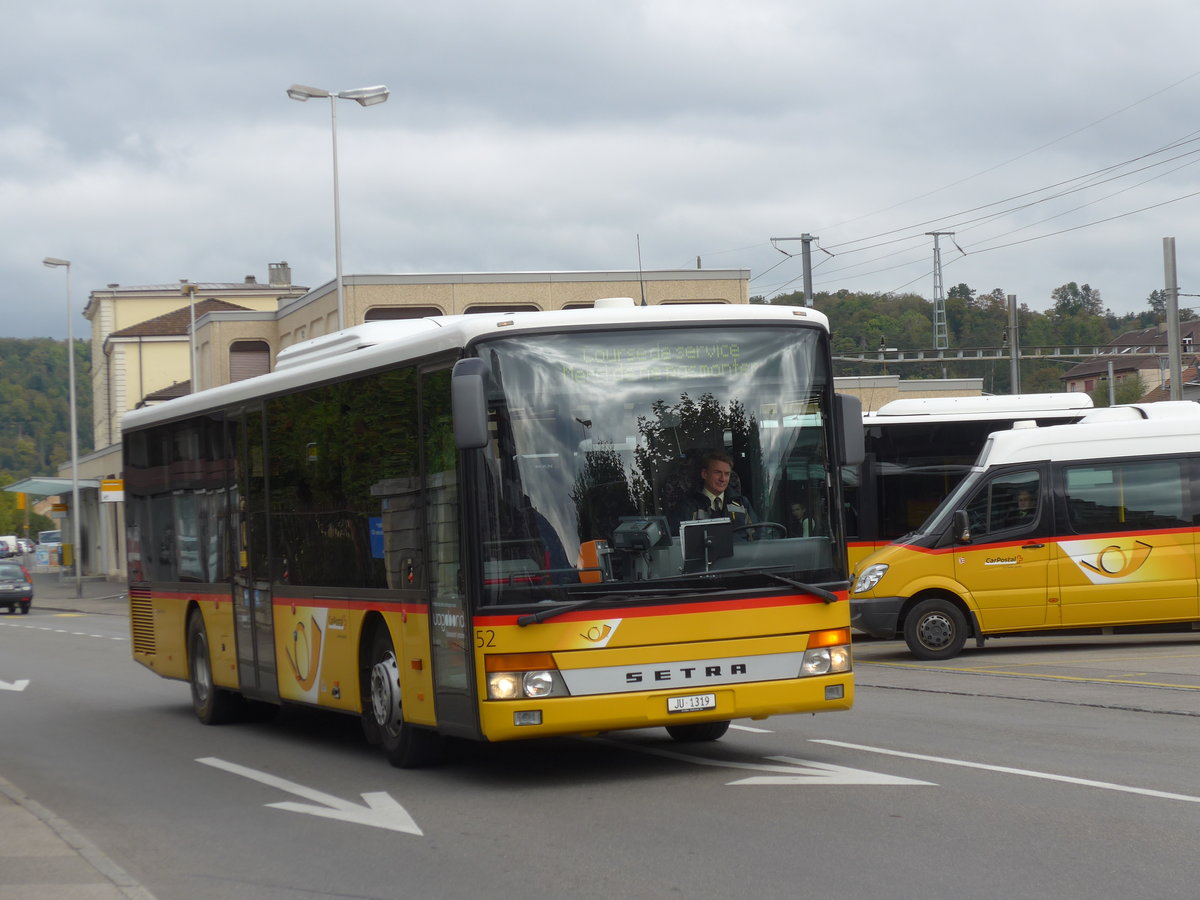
<point x="170" y="392"/>
<point x="177" y="322"/>
<point x="1137" y="349"/>
<point x="1163" y="391"/>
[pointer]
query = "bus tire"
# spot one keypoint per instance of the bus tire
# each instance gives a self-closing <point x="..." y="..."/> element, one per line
<point x="212" y="705"/>
<point x="701" y="731"/>
<point x="405" y="745"/>
<point x="935" y="629"/>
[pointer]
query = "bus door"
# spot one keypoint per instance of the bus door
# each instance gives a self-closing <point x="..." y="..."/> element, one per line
<point x="1007" y="564"/>
<point x="1127" y="550"/>
<point x="450" y="634"/>
<point x="254" y="621"/>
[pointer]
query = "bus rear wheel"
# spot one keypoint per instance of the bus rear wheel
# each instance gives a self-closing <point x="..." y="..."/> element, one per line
<point x="935" y="629"/>
<point x="404" y="744"/>
<point x="213" y="705"/>
<point x="701" y="731"/>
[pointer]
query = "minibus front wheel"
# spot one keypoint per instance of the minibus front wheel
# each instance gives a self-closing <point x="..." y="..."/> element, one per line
<point x="935" y="629"/>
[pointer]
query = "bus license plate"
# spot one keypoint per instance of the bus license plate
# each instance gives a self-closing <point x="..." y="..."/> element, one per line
<point x="691" y="703"/>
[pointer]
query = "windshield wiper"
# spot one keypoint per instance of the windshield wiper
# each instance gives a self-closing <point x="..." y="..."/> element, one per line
<point x="550" y="612"/>
<point x="827" y="596"/>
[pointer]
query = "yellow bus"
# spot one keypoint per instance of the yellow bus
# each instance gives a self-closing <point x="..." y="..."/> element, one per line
<point x="467" y="526"/>
<point x="1066" y="528"/>
<point x="917" y="449"/>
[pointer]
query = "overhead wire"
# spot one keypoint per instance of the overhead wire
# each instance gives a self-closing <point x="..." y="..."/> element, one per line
<point x="1076" y="184"/>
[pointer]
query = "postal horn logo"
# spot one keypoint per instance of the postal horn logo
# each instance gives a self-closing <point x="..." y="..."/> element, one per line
<point x="1116" y="562"/>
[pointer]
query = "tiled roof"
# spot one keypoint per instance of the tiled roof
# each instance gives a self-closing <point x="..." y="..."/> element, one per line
<point x="178" y="389"/>
<point x="177" y="321"/>
<point x="1135" y="350"/>
<point x="1163" y="391"/>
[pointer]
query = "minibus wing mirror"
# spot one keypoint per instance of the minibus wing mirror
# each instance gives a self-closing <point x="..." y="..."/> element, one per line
<point x="468" y="404"/>
<point x="962" y="527"/>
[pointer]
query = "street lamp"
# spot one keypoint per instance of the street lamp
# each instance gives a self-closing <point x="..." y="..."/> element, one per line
<point x="368" y="96"/>
<point x="189" y="291"/>
<point x="53" y="263"/>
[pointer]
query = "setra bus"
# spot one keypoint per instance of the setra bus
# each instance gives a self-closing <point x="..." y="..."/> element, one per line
<point x="465" y="526"/>
<point x="918" y="449"/>
<point x="1066" y="528"/>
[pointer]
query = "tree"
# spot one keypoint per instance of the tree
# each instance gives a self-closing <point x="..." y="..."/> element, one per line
<point x="1071" y="299"/>
<point x="1128" y="390"/>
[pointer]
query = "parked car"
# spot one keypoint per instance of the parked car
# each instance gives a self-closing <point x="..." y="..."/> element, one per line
<point x="16" y="587"/>
<point x="24" y="545"/>
<point x="6" y="550"/>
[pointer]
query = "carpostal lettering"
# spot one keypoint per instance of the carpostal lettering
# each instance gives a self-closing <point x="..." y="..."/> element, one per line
<point x="1002" y="560"/>
<point x="684" y="673"/>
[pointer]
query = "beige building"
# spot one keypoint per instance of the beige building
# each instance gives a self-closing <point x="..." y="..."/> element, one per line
<point x="142" y="342"/>
<point x="876" y="390"/>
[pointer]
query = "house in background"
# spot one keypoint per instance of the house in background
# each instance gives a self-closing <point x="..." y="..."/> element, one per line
<point x="1141" y="353"/>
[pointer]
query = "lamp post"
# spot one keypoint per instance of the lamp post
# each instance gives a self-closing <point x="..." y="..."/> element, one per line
<point x="189" y="291"/>
<point x="53" y="263"/>
<point x="368" y="96"/>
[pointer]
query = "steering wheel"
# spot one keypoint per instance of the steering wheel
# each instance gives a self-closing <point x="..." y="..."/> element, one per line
<point x="774" y="526"/>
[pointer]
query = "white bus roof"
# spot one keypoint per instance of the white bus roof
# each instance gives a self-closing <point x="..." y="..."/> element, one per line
<point x="1150" y="429"/>
<point x="995" y="406"/>
<point x="377" y="344"/>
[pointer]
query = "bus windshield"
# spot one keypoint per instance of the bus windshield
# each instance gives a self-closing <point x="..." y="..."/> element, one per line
<point x="598" y="443"/>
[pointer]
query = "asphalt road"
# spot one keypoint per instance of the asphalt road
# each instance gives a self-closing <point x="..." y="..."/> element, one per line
<point x="1031" y="768"/>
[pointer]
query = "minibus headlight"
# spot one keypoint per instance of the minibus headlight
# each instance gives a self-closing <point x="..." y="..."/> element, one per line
<point x="825" y="661"/>
<point x="869" y="577"/>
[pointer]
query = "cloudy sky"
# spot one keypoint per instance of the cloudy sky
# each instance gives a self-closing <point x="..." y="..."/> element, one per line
<point x="148" y="141"/>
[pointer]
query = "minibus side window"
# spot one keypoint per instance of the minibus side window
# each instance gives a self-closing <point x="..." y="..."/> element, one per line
<point x="1009" y="501"/>
<point x="1125" y="496"/>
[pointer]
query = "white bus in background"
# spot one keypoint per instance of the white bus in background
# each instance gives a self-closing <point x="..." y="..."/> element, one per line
<point x="918" y="449"/>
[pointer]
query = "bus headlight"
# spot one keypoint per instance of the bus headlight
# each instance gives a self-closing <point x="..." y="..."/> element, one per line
<point x="521" y="676"/>
<point x="538" y="684"/>
<point x="825" y="661"/>
<point x="869" y="577"/>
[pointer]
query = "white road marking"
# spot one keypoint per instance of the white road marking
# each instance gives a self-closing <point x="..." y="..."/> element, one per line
<point x="1008" y="770"/>
<point x="378" y="809"/>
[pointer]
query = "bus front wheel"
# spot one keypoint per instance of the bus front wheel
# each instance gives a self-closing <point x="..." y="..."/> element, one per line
<point x="213" y="706"/>
<point x="404" y="744"/>
<point x="935" y="629"/>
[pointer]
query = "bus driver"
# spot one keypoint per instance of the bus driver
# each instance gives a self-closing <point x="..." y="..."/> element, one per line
<point x="714" y="499"/>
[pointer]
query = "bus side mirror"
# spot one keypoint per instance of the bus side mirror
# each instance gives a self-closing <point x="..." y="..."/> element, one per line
<point x="468" y="404"/>
<point x="962" y="527"/>
<point x="852" y="444"/>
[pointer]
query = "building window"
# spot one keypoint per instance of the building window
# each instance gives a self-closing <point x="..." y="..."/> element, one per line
<point x="505" y="308"/>
<point x="247" y="359"/>
<point x="383" y="313"/>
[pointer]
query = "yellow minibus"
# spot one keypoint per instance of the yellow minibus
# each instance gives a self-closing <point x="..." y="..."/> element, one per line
<point x="1068" y="527"/>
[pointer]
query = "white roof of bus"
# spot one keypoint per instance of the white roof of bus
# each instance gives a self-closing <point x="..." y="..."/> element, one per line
<point x="994" y="406"/>
<point x="377" y="344"/>
<point x="1148" y="429"/>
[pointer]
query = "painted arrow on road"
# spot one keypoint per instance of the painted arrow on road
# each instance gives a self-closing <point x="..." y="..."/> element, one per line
<point x="807" y="771"/>
<point x="793" y="771"/>
<point x="378" y="809"/>
<point x="19" y="685"/>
